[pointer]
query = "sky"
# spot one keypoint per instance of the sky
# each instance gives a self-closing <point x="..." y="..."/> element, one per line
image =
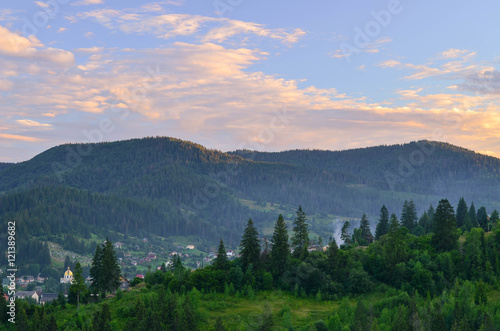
<point x="261" y="75"/>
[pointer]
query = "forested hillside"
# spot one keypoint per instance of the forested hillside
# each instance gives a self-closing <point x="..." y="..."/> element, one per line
<point x="171" y="187"/>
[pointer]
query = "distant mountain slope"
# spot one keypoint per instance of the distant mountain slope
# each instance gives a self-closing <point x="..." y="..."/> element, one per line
<point x="172" y="187"/>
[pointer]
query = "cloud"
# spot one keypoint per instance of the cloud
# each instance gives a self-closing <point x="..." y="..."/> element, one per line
<point x="168" y="26"/>
<point x="42" y="4"/>
<point x="87" y="2"/>
<point x="482" y="82"/>
<point x="31" y="123"/>
<point x="15" y="45"/>
<point x="373" y="47"/>
<point x="62" y="30"/>
<point x="454" y="53"/>
<point x="451" y="69"/>
<point x="19" y="137"/>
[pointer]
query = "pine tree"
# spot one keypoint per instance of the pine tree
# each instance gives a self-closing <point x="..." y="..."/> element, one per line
<point x="344" y="235"/>
<point x="494" y="217"/>
<point x="461" y="212"/>
<point x="78" y="286"/>
<point x="22" y="320"/>
<point x="366" y="233"/>
<point x="221" y="262"/>
<point x="280" y="250"/>
<point x="445" y="236"/>
<point x="250" y="246"/>
<point x="409" y="215"/>
<point x="383" y="223"/>
<point x="300" y="238"/>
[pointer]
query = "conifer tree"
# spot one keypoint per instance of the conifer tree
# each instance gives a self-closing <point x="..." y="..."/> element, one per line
<point x="461" y="212"/>
<point x="366" y="233"/>
<point x="78" y="286"/>
<point x="383" y="223"/>
<point x="221" y="262"/>
<point x="300" y="238"/>
<point x="344" y="234"/>
<point x="409" y="215"/>
<point x="445" y="236"/>
<point x="280" y="250"/>
<point x="111" y="268"/>
<point x="96" y="272"/>
<point x="250" y="246"/>
<point x="473" y="215"/>
<point x="482" y="218"/>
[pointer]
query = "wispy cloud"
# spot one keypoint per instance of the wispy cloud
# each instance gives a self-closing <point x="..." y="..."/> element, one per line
<point x="373" y="47"/>
<point x="208" y="29"/>
<point x="87" y="2"/>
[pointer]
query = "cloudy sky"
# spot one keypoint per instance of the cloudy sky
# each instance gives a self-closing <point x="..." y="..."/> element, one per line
<point x="265" y="75"/>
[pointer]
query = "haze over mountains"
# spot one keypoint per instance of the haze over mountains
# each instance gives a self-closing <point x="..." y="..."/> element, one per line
<point x="170" y="187"/>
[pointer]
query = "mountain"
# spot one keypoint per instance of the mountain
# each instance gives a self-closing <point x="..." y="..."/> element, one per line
<point x="168" y="187"/>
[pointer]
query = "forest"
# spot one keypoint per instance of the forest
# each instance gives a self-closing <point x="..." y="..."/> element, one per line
<point x="439" y="271"/>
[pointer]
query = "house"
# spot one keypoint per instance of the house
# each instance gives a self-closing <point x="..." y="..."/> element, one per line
<point x="133" y="262"/>
<point x="151" y="256"/>
<point x="145" y="240"/>
<point x="139" y="276"/>
<point x="230" y="253"/>
<point x="47" y="297"/>
<point x="190" y="247"/>
<point x="118" y="244"/>
<point x="27" y="294"/>
<point x="173" y="253"/>
<point x="312" y="249"/>
<point x="124" y="283"/>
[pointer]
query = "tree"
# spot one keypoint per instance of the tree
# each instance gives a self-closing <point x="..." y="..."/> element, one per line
<point x="461" y="212"/>
<point x="383" y="223"/>
<point x="344" y="234"/>
<point x="78" y="285"/>
<point x="409" y="216"/>
<point x="105" y="270"/>
<point x="250" y="246"/>
<point x="96" y="270"/>
<point x="280" y="250"/>
<point x="482" y="218"/>
<point x="494" y="217"/>
<point x="221" y="262"/>
<point x="366" y="233"/>
<point x="445" y="236"/>
<point x="473" y="215"/>
<point x="300" y="238"/>
<point x="111" y="268"/>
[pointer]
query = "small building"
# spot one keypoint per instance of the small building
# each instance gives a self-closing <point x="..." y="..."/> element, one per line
<point x="124" y="283"/>
<point x="139" y="276"/>
<point x="27" y="294"/>
<point x="190" y="247"/>
<point x="151" y="256"/>
<point x="48" y="297"/>
<point x="118" y="244"/>
<point x="230" y="253"/>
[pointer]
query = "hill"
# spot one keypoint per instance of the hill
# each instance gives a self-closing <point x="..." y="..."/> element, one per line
<point x="171" y="187"/>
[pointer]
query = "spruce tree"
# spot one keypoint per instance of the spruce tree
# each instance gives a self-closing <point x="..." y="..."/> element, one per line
<point x="461" y="212"/>
<point x="344" y="234"/>
<point x="366" y="233"/>
<point x="473" y="215"/>
<point x="445" y="236"/>
<point x="96" y="271"/>
<point x="300" y="238"/>
<point x="280" y="250"/>
<point x="494" y="217"/>
<point x="482" y="218"/>
<point x="383" y="223"/>
<point x="409" y="215"/>
<point x="78" y="286"/>
<point x="221" y="262"/>
<point x="111" y="268"/>
<point x="250" y="246"/>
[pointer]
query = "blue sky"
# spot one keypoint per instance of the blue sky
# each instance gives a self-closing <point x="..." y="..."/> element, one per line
<point x="265" y="75"/>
